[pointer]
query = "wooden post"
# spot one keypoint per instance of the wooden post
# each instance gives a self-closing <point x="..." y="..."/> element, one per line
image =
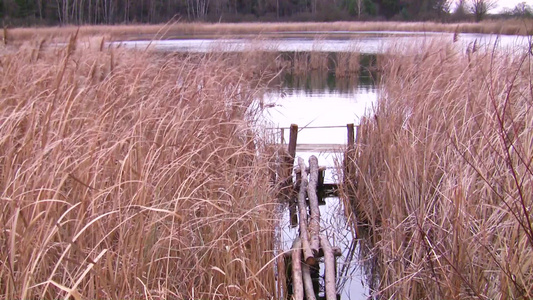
<point x="292" y="140"/>
<point x="282" y="137"/>
<point x="309" y="257"/>
<point x="351" y="135"/>
<point x="314" y="221"/>
<point x="291" y="154"/>
<point x="350" y="151"/>
<point x="320" y="185"/>
<point x="288" y="164"/>
<point x="357" y="134"/>
<point x="321" y="176"/>
<point x="329" y="271"/>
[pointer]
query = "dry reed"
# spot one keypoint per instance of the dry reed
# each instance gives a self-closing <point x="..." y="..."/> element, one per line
<point x="347" y="64"/>
<point x="300" y="63"/>
<point x="444" y="176"/>
<point x="128" y="174"/>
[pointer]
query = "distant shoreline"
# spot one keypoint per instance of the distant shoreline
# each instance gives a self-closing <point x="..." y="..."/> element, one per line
<point x="187" y="30"/>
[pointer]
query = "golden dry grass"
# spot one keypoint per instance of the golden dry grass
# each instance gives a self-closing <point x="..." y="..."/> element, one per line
<point x="128" y="174"/>
<point x="444" y="175"/>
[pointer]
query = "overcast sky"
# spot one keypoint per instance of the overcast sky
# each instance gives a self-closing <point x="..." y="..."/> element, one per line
<point x="505" y="4"/>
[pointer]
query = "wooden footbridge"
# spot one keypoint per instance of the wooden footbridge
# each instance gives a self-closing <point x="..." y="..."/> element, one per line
<point x="304" y="188"/>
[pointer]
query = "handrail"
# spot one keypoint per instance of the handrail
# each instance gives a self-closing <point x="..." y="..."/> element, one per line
<point x="309" y="127"/>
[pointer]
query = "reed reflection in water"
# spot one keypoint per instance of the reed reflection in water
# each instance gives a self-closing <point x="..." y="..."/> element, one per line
<point x="324" y="97"/>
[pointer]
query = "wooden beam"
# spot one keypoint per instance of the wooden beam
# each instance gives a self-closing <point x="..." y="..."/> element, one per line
<point x="297" y="282"/>
<point x="314" y="220"/>
<point x="308" y="255"/>
<point x="308" y="283"/>
<point x="329" y="269"/>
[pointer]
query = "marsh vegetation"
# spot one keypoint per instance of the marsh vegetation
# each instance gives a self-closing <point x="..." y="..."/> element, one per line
<point x="128" y="174"/>
<point x="134" y="173"/>
<point x="442" y="193"/>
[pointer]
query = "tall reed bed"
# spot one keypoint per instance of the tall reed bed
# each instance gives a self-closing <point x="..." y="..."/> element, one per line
<point x="444" y="175"/>
<point x="128" y="175"/>
<point x="347" y="64"/>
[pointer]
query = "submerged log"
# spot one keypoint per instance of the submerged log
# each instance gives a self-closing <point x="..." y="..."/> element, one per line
<point x="297" y="283"/>
<point x="314" y="221"/>
<point x="329" y="269"/>
<point x="309" y="257"/>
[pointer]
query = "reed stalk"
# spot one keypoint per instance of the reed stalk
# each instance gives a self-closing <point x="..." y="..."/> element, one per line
<point x="128" y="174"/>
<point x="444" y="175"/>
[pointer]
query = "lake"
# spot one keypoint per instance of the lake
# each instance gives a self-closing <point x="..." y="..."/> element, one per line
<point x="370" y="42"/>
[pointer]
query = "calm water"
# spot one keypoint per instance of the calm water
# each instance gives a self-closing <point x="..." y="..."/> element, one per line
<point x="314" y="100"/>
<point x="364" y="42"/>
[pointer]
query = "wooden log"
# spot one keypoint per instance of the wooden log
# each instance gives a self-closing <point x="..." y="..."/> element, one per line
<point x="308" y="283"/>
<point x="298" y="182"/>
<point x="314" y="220"/>
<point x="297" y="282"/>
<point x="329" y="269"/>
<point x="336" y="252"/>
<point x="308" y="255"/>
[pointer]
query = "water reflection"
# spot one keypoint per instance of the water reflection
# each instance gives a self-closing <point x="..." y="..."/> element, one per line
<point x="321" y="102"/>
<point x="325" y="77"/>
<point x="318" y="98"/>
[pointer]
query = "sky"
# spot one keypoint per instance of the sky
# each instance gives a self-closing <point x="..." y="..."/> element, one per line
<point x="504" y="4"/>
<point x="507" y="4"/>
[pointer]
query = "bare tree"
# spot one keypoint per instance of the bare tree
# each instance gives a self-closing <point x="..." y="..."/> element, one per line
<point x="523" y="10"/>
<point x="480" y="8"/>
<point x="359" y="8"/>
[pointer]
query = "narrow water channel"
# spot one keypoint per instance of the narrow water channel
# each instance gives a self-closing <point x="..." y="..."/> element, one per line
<point x="322" y="104"/>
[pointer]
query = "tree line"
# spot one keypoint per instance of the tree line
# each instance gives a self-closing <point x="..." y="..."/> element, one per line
<point x="79" y="12"/>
